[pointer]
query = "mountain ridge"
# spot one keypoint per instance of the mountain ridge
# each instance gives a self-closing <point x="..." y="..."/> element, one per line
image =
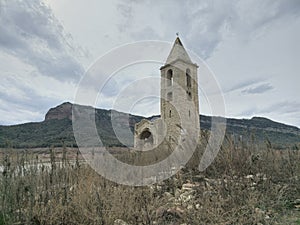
<point x="57" y="130"/>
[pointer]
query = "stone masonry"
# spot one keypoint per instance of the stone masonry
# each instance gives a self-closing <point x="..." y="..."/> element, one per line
<point x="179" y="104"/>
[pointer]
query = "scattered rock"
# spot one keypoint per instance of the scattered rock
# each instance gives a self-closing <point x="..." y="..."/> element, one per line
<point x="120" y="222"/>
<point x="168" y="195"/>
<point x="176" y="211"/>
<point x="189" y="186"/>
<point x="189" y="207"/>
<point x="250" y="176"/>
<point x="177" y="192"/>
<point x="296" y="204"/>
<point x="199" y="178"/>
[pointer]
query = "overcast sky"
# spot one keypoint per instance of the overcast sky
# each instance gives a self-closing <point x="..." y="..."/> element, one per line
<point x="252" y="47"/>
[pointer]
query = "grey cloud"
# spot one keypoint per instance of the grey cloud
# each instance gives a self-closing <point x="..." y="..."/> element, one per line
<point x="19" y="96"/>
<point x="201" y="22"/>
<point x="253" y="18"/>
<point x="17" y="116"/>
<point x="290" y="7"/>
<point x="204" y="24"/>
<point x="30" y="100"/>
<point x="283" y="107"/>
<point x="284" y="110"/>
<point x="262" y="88"/>
<point x="111" y="88"/>
<point x="250" y="112"/>
<point x="145" y="33"/>
<point x="243" y="84"/>
<point x="16" y="110"/>
<point x="30" y="32"/>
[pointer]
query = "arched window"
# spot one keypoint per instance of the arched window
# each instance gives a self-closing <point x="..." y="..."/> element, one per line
<point x="189" y="95"/>
<point x="170" y="78"/>
<point x="170" y="113"/>
<point x="170" y="96"/>
<point x="188" y="78"/>
<point x="189" y="113"/>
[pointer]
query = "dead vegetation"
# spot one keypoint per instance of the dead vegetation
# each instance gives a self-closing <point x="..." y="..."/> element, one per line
<point x="244" y="185"/>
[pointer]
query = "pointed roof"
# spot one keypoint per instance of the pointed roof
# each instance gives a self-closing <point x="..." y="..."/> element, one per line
<point x="178" y="52"/>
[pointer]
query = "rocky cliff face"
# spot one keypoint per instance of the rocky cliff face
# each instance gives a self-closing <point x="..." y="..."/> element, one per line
<point x="60" y="112"/>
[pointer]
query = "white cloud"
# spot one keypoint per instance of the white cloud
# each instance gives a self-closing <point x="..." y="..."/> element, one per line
<point x="30" y="32"/>
<point x="259" y="89"/>
<point x="251" y="45"/>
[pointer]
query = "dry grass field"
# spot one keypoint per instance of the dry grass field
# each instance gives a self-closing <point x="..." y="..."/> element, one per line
<point x="244" y="185"/>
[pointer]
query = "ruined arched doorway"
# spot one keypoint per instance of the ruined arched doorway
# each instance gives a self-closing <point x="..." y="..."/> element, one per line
<point x="146" y="138"/>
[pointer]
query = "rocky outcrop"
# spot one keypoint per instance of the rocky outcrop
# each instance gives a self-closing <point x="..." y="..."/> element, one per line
<point x="62" y="111"/>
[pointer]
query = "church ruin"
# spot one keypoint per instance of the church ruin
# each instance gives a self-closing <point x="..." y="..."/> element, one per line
<point x="179" y="103"/>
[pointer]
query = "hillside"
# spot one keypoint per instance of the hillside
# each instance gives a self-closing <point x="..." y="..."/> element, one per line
<point x="57" y="130"/>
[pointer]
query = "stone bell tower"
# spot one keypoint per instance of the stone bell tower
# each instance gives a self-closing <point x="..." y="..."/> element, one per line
<point x="179" y="94"/>
<point x="179" y="104"/>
